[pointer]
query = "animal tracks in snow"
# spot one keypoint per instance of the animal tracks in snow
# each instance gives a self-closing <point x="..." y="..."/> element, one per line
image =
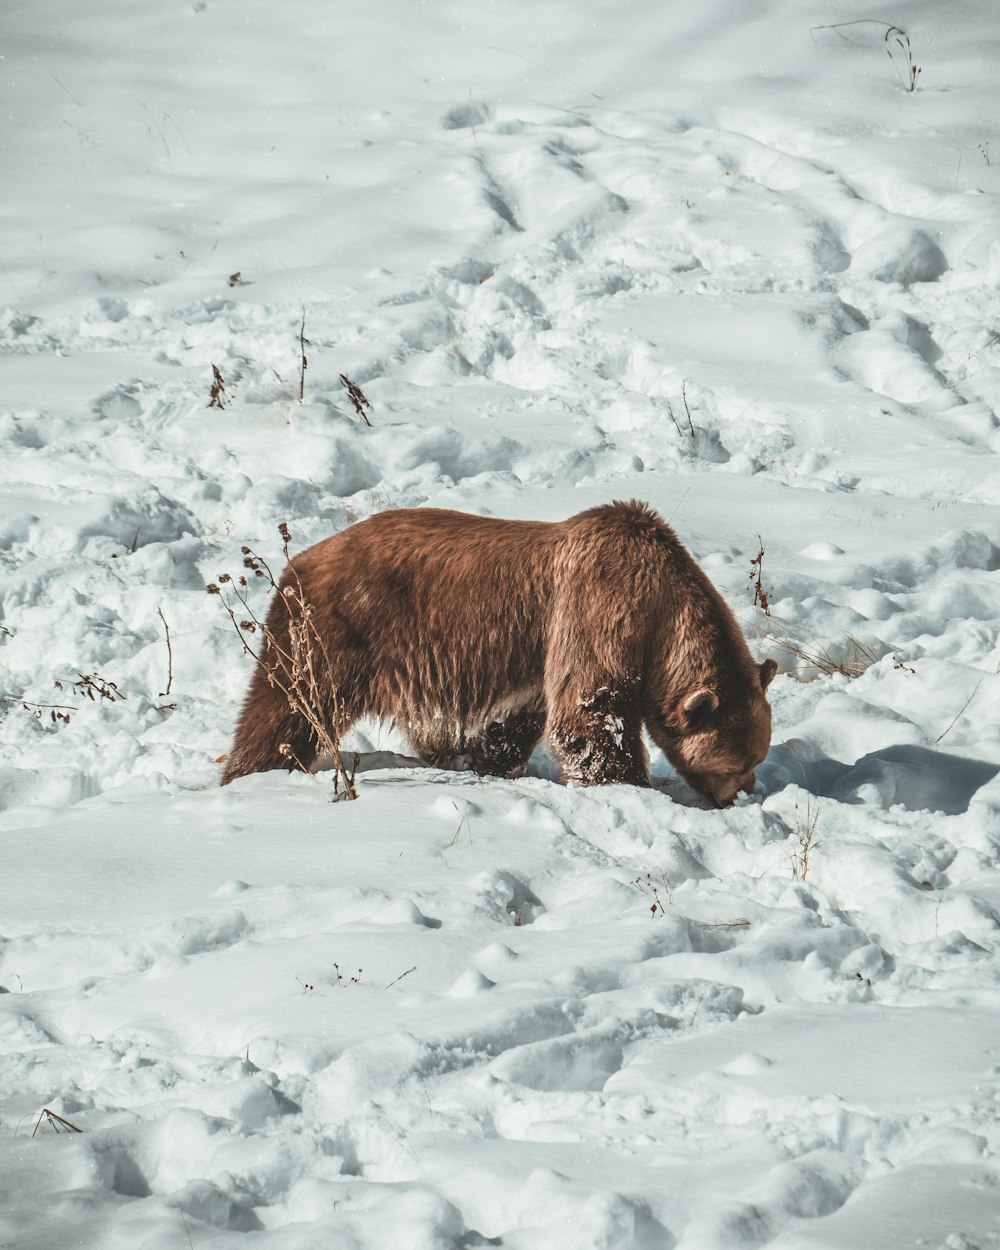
<point x="707" y="257"/>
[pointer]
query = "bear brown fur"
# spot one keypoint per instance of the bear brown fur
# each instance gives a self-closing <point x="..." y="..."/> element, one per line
<point x="479" y="636"/>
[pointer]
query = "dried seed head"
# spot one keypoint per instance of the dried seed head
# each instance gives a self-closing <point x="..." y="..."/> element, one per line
<point x="283" y="531"/>
<point x="224" y="577"/>
<point x="213" y="589"/>
<point x="245" y="551"/>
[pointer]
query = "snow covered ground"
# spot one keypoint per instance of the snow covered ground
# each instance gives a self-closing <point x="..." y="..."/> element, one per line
<point x="714" y="256"/>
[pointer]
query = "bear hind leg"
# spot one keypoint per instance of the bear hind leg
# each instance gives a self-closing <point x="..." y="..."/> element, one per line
<point x="269" y="734"/>
<point x="272" y="734"/>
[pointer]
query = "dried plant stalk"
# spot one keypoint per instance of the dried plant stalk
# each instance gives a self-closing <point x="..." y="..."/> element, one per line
<point x="300" y="668"/>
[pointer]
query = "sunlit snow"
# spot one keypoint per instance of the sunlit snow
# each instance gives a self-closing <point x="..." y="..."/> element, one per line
<point x="716" y="256"/>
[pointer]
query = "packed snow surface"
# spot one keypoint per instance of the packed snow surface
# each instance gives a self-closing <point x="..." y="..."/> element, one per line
<point x="716" y="256"/>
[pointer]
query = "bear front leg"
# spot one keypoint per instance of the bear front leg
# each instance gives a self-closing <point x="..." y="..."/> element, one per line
<point x="269" y="734"/>
<point x="504" y="747"/>
<point x="597" y="740"/>
<point x="437" y="742"/>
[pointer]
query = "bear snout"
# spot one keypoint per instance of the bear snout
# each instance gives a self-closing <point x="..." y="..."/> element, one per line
<point x="722" y="788"/>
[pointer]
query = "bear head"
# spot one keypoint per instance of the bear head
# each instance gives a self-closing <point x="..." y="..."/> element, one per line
<point x="716" y="736"/>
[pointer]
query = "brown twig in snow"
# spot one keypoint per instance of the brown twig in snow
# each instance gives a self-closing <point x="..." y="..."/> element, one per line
<point x="303" y="358"/>
<point x="170" y="654"/>
<point x="218" y="391"/>
<point x="760" y="595"/>
<point x="55" y="1121"/>
<point x="299" y="666"/>
<point x="961" y="711"/>
<point x="357" y="397"/>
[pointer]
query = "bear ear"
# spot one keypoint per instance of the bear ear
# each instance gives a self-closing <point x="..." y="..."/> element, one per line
<point x="767" y="671"/>
<point x="698" y="705"/>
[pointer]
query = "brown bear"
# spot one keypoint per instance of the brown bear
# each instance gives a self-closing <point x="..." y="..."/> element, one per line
<point x="479" y="636"/>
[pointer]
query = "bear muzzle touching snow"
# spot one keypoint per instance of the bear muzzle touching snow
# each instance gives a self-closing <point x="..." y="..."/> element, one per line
<point x="480" y="636"/>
